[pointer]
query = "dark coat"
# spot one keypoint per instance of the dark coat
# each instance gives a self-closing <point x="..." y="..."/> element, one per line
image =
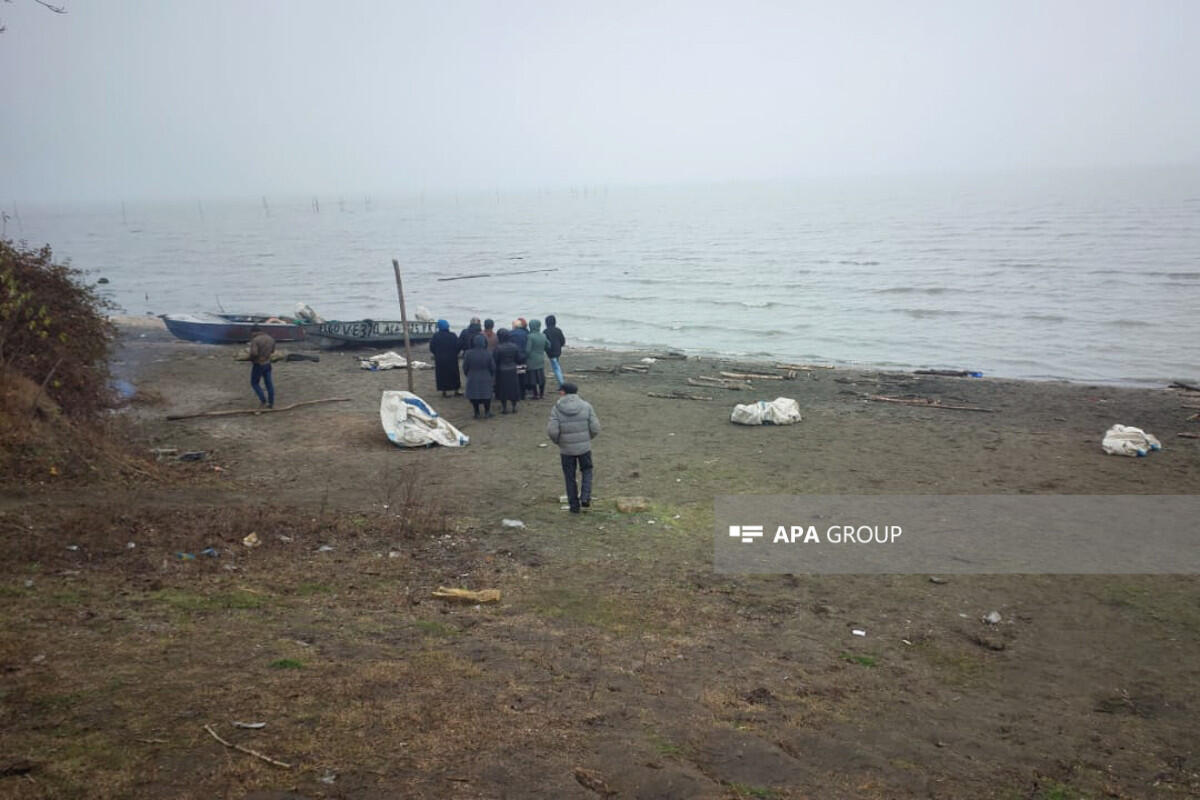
<point x="506" y="355"/>
<point x="480" y="369"/>
<point x="557" y="341"/>
<point x="467" y="336"/>
<point x="444" y="346"/>
<point x="519" y="336"/>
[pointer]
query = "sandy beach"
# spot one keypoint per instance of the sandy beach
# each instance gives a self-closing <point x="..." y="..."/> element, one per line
<point x="616" y="660"/>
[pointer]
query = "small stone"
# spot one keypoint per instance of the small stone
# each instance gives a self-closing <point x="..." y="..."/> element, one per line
<point x="936" y="580"/>
<point x="632" y="505"/>
<point x="993" y="618"/>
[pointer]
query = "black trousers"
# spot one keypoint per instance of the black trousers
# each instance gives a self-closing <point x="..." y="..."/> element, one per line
<point x="584" y="493"/>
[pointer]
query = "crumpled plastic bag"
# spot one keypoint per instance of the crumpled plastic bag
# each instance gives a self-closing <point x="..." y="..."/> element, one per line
<point x="1123" y="440"/>
<point x="780" y="411"/>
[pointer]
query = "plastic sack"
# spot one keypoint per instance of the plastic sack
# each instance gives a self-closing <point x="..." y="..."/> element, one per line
<point x="780" y="411"/>
<point x="1122" y="440"/>
<point x="409" y="421"/>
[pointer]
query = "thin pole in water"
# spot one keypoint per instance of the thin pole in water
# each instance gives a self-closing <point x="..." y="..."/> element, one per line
<point x="404" y="324"/>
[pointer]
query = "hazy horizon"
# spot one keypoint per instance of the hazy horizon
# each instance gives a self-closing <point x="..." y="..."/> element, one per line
<point x="194" y="101"/>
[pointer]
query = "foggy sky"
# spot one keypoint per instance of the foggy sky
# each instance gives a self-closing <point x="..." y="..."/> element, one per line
<point x="188" y="99"/>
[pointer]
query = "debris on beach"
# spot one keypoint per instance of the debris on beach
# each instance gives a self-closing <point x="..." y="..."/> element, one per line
<point x="927" y="402"/>
<point x="409" y="421"/>
<point x="780" y="411"/>
<point x="467" y="595"/>
<point x="389" y="360"/>
<point x="949" y="373"/>
<point x="1123" y="440"/>
<point x="252" y="540"/>
<point x="512" y="523"/>
<point x="993" y="618"/>
<point x="677" y="396"/>
<point x="632" y="505"/>
<point x="753" y="376"/>
<point x="719" y="383"/>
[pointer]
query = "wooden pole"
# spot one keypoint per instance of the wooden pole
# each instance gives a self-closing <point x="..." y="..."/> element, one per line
<point x="404" y="324"/>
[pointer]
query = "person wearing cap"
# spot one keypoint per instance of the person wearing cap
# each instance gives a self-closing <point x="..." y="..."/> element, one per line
<point x="262" y="346"/>
<point x="573" y="424"/>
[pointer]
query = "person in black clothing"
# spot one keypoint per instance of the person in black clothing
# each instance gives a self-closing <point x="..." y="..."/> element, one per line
<point x="480" y="369"/>
<point x="506" y="355"/>
<point x="557" y="342"/>
<point x="466" y="337"/>
<point x="444" y="346"/>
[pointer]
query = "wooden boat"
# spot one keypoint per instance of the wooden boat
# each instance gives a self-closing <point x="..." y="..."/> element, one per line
<point x="369" y="333"/>
<point x="230" y="328"/>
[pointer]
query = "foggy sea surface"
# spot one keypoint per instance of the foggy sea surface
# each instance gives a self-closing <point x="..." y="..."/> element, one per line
<point x="1085" y="276"/>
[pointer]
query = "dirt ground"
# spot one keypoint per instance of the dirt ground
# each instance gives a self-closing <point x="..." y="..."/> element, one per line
<point x="617" y="662"/>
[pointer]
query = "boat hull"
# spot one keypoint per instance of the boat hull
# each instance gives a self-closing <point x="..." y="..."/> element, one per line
<point x="369" y="333"/>
<point x="228" y="328"/>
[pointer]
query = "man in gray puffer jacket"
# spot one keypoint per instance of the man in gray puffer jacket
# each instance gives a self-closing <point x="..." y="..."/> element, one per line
<point x="573" y="425"/>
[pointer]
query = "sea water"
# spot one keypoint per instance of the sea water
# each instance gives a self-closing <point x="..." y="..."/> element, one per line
<point x="1091" y="276"/>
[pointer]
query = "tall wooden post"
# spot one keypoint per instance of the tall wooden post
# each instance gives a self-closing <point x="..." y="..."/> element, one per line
<point x="404" y="324"/>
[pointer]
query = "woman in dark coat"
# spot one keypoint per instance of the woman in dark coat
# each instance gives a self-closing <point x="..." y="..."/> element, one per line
<point x="480" y="369"/>
<point x="444" y="346"/>
<point x="506" y="355"/>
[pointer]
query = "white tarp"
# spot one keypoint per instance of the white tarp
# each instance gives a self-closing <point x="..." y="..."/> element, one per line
<point x="389" y="360"/>
<point x="1121" y="440"/>
<point x="780" y="411"/>
<point x="408" y="421"/>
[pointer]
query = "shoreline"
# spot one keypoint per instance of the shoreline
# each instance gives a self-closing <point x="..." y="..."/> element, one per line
<point x="150" y="323"/>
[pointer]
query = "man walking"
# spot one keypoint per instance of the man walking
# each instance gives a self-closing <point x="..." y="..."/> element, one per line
<point x="557" y="341"/>
<point x="573" y="425"/>
<point x="262" y="346"/>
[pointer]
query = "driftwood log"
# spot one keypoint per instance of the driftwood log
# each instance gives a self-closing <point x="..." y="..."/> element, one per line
<point x="1181" y="385"/>
<point x="804" y="367"/>
<point x="677" y="396"/>
<point x="751" y="376"/>
<point x="718" y="383"/>
<point x="927" y="402"/>
<point x="944" y="373"/>
<point x="236" y="412"/>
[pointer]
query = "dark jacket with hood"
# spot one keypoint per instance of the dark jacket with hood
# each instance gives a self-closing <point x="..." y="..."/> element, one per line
<point x="555" y="336"/>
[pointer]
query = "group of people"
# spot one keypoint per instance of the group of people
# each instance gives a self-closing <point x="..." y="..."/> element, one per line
<point x="505" y="364"/>
<point x="508" y="364"/>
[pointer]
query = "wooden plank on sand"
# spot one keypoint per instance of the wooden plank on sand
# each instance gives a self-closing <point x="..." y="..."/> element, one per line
<point x="257" y="410"/>
<point x="926" y="402"/>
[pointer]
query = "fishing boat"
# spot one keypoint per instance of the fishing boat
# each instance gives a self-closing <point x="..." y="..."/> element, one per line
<point x="369" y="333"/>
<point x="224" y="328"/>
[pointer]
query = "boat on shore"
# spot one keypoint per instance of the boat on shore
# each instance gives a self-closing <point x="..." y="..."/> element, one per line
<point x="369" y="333"/>
<point x="212" y="328"/>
